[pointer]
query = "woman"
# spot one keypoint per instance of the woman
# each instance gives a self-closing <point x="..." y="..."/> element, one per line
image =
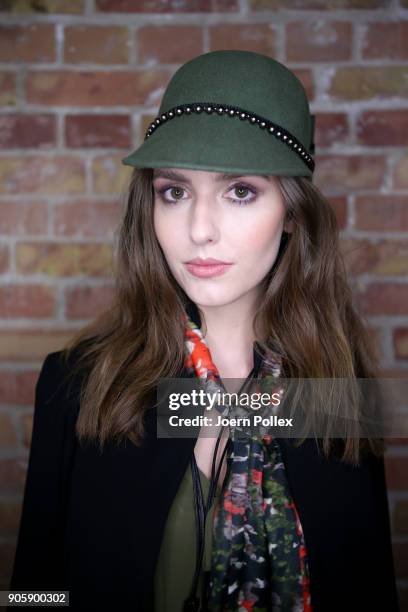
<point x="122" y="517"/>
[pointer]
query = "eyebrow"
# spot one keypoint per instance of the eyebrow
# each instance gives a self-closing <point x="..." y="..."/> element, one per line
<point x="173" y="175"/>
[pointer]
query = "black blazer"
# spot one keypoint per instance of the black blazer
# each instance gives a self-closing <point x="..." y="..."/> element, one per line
<point x="92" y="523"/>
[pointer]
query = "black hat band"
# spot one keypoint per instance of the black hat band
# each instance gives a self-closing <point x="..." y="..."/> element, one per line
<point x="234" y="111"/>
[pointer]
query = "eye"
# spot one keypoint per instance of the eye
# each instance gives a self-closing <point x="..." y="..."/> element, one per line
<point x="175" y="190"/>
<point x="242" y="189"/>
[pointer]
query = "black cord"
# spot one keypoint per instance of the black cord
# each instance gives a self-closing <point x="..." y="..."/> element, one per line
<point x="192" y="603"/>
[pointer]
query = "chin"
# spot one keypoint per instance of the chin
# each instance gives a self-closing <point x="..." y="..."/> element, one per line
<point x="215" y="297"/>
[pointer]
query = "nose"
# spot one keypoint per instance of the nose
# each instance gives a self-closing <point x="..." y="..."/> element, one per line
<point x="204" y="221"/>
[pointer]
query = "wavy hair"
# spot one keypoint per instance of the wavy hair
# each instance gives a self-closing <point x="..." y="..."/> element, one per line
<point x="306" y="315"/>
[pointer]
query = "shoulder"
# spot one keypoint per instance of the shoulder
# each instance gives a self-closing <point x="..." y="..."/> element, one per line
<point x="58" y="386"/>
<point x="52" y="371"/>
<point x="55" y="365"/>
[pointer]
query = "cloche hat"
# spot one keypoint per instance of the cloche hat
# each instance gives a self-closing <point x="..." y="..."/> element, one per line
<point x="231" y="111"/>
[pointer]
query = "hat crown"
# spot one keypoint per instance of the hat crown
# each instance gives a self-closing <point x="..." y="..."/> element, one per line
<point x="245" y="79"/>
<point x="231" y="111"/>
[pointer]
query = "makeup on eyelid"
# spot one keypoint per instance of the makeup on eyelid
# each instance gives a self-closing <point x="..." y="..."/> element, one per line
<point x="240" y="201"/>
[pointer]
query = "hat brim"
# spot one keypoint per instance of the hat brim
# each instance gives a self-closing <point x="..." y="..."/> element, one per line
<point x="217" y="143"/>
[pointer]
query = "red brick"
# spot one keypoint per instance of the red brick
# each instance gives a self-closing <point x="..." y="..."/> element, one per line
<point x="383" y="128"/>
<point x="385" y="41"/>
<point x="366" y="82"/>
<point x="400" y="342"/>
<point x="321" y="5"/>
<point x="9" y="517"/>
<point x="306" y="78"/>
<point x="400" y="550"/>
<point x="86" y="88"/>
<point x="98" y="131"/>
<point x="393" y="373"/>
<point x="172" y="44"/>
<point x="349" y="172"/>
<point x="258" y="37"/>
<point x="392" y="442"/>
<point x="375" y="340"/>
<point x="12" y="475"/>
<point x="318" y="41"/>
<point x="19" y="130"/>
<point x="4" y="258"/>
<point x="7" y="89"/>
<point x="387" y="213"/>
<point x="26" y="344"/>
<point x="400" y="174"/>
<point x="42" y="7"/>
<point x="23" y="218"/>
<point x="382" y="258"/>
<point x="109" y="175"/>
<point x="96" y="44"/>
<point x="27" y="423"/>
<point x="18" y="387"/>
<point x="37" y="174"/>
<point x="30" y="301"/>
<point x="8" y="436"/>
<point x="339" y="205"/>
<point x="359" y="255"/>
<point x="330" y="129"/>
<point x="30" y="43"/>
<point x="397" y="472"/>
<point x="87" y="302"/>
<point x="168" y="6"/>
<point x="384" y="299"/>
<point x="67" y="259"/>
<point x="86" y="218"/>
<point x="392" y="258"/>
<point x="7" y="551"/>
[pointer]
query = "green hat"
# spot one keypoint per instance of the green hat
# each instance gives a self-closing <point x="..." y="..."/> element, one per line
<point x="231" y="111"/>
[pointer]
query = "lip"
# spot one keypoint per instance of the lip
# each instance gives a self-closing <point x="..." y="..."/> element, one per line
<point x="207" y="270"/>
<point x="208" y="261"/>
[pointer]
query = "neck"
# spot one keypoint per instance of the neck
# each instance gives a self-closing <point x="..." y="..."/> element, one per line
<point x="229" y="334"/>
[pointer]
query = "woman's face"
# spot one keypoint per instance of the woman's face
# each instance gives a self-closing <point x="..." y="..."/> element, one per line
<point x="238" y="220"/>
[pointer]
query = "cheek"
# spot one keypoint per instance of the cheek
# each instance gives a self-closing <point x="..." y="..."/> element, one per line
<point x="261" y="237"/>
<point x="166" y="230"/>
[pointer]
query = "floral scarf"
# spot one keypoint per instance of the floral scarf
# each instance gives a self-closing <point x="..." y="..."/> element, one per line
<point x="259" y="560"/>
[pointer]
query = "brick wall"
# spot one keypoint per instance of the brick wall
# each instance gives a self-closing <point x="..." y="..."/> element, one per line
<point x="79" y="82"/>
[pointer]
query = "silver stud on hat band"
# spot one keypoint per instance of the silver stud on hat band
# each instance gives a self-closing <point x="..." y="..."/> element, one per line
<point x="234" y="111"/>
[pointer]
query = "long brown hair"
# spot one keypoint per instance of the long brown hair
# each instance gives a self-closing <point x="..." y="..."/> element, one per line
<point x="306" y="314"/>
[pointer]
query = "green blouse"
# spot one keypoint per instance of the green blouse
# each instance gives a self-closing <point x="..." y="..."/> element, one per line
<point x="177" y="558"/>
